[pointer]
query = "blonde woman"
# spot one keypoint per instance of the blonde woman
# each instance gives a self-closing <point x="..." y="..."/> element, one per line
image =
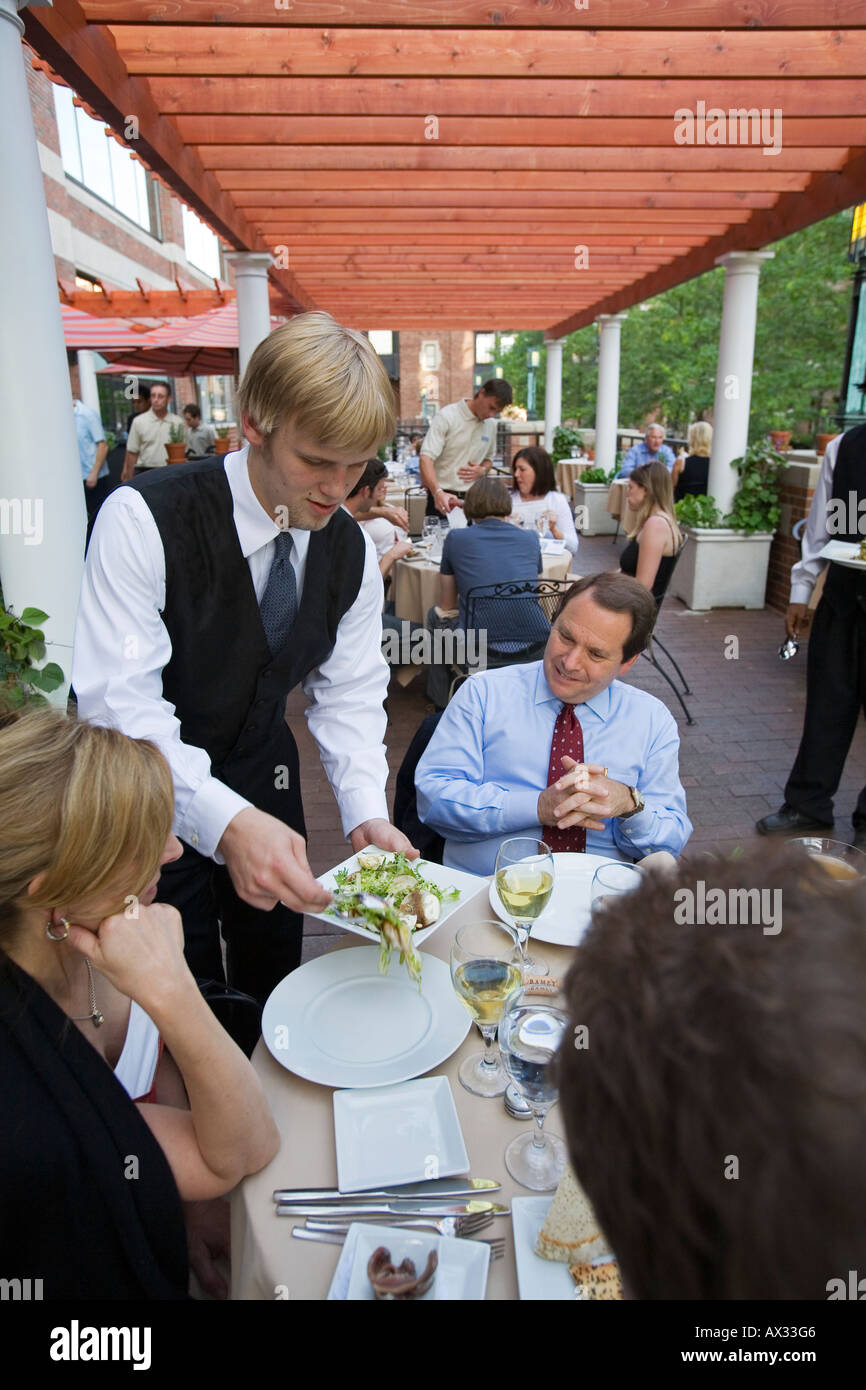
<point x="122" y="1095"/>
<point x="654" y="537"/>
<point x="691" y="474"/>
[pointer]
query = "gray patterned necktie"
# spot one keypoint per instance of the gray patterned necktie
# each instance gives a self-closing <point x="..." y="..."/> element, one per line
<point x="279" y="605"/>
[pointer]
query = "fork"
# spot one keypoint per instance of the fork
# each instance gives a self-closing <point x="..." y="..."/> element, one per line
<point x="445" y="1225"/>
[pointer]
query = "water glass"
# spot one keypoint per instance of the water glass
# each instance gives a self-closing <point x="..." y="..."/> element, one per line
<point x="529" y="1038"/>
<point x="611" y="879"/>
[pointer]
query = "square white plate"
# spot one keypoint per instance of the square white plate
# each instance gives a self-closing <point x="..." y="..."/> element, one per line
<point x="397" y="1134"/>
<point x="466" y="884"/>
<point x="461" y="1274"/>
<point x="537" y="1279"/>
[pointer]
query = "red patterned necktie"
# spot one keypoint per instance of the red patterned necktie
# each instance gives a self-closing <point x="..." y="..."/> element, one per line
<point x="567" y="742"/>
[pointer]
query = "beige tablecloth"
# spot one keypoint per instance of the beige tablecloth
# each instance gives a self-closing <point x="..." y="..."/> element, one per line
<point x="416" y="584"/>
<point x="567" y="473"/>
<point x="265" y="1257"/>
<point x="616" y="503"/>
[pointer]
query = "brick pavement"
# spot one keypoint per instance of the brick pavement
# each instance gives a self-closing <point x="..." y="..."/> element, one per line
<point x="734" y="761"/>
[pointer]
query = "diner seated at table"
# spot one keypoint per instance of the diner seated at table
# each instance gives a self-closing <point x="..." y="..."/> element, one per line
<point x="122" y="1096"/>
<point x="691" y="475"/>
<point x="716" y="1118"/>
<point x="653" y="536"/>
<point x="485" y="551"/>
<point x="650" y="449"/>
<point x="561" y="748"/>
<point x="535" y="497"/>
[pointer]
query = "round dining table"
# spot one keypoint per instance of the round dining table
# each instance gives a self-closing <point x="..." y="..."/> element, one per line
<point x="416" y="583"/>
<point x="267" y="1262"/>
<point x="568" y="472"/>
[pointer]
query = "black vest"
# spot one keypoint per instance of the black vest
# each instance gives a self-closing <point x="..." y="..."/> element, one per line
<point x="845" y="588"/>
<point x="228" y="691"/>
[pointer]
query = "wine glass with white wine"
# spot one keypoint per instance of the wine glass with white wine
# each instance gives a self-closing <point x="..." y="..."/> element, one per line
<point x="487" y="974"/>
<point x="524" y="881"/>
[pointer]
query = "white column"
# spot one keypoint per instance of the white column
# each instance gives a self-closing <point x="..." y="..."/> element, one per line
<point x="87" y="378"/>
<point x="254" y="315"/>
<point x="607" y="398"/>
<point x="734" y="369"/>
<point x="42" y="513"/>
<point x="553" y="391"/>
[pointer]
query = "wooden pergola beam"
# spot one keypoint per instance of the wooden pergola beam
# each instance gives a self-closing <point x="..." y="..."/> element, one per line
<point x="242" y="165"/>
<point x="480" y="14"/>
<point x="157" y="304"/>
<point x="87" y="60"/>
<point x="388" y="160"/>
<point x="175" y="49"/>
<point x="394" y="199"/>
<point x="827" y="193"/>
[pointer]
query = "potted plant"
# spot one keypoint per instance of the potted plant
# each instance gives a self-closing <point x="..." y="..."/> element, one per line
<point x="726" y="561"/>
<point x="823" y="439"/>
<point x="566" y="443"/>
<point x="22" y="644"/>
<point x="176" y="446"/>
<point x="222" y="444"/>
<point x="591" y="516"/>
<point x="780" y="432"/>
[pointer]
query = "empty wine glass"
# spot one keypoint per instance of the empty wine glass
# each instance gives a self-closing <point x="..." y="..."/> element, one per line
<point x="486" y="971"/>
<point x="529" y="1037"/>
<point x="524" y="881"/>
<point x="611" y="879"/>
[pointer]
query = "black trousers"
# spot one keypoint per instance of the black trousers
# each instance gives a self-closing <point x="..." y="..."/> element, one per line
<point x="835" y="695"/>
<point x="261" y="947"/>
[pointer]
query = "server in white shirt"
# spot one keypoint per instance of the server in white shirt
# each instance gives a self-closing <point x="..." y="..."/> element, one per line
<point x="836" y="670"/>
<point x="214" y="588"/>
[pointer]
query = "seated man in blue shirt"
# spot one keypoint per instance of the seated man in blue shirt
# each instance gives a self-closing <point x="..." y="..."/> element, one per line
<point x="651" y="449"/>
<point x="560" y="748"/>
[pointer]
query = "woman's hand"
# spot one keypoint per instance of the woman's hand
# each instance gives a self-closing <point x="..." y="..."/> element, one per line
<point x="141" y="954"/>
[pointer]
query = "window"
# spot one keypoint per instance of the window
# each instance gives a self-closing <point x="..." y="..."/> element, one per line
<point x="485" y="347"/>
<point x="201" y="244"/>
<point x="382" y="339"/>
<point x="99" y="163"/>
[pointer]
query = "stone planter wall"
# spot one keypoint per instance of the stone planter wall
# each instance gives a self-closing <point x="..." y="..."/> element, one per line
<point x="593" y="496"/>
<point x="722" y="569"/>
<point x="798" y="488"/>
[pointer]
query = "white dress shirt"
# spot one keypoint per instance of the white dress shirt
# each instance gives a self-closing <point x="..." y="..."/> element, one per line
<point x="122" y="646"/>
<point x="804" y="575"/>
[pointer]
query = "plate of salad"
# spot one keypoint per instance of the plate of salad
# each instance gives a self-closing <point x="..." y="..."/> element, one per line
<point x="422" y="894"/>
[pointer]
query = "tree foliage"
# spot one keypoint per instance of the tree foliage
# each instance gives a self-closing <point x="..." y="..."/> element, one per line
<point x="670" y="344"/>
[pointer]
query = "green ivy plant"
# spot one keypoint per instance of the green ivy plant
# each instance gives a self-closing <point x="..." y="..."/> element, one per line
<point x="564" y="440"/>
<point x="22" y="643"/>
<point x="700" y="512"/>
<point x="756" y="506"/>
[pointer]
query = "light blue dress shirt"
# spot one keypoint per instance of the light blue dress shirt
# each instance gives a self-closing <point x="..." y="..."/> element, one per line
<point x="481" y="775"/>
<point x="88" y="427"/>
<point x="639" y="453"/>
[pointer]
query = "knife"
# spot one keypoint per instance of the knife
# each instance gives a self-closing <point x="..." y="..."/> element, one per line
<point x="422" y="1191"/>
<point x="393" y="1209"/>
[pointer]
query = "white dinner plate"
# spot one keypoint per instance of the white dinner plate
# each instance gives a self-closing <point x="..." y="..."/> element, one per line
<point x="339" y="1022"/>
<point x="537" y="1278"/>
<point x="461" y="1274"/>
<point x="397" y="1134"/>
<point x="843" y="553"/>
<point x="466" y="885"/>
<point x="567" y="915"/>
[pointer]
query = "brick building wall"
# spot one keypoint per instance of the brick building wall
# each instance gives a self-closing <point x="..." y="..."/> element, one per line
<point x="798" y="489"/>
<point x="449" y="382"/>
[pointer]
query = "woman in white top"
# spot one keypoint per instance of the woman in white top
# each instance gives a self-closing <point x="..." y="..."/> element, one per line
<point x="535" y="498"/>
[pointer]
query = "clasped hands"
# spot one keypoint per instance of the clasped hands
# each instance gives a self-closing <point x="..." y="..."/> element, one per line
<point x="583" y="796"/>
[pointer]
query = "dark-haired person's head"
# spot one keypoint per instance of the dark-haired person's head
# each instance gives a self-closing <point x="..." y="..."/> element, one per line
<point x="600" y="628"/>
<point x="487" y="497"/>
<point x="493" y="396"/>
<point x="532" y="470"/>
<point x="193" y="414"/>
<point x="715" y="1106"/>
<point x="374" y="472"/>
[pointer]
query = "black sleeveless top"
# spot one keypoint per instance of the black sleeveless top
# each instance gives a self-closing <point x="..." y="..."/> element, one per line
<point x="228" y="690"/>
<point x="628" y="564"/>
<point x="694" y="479"/>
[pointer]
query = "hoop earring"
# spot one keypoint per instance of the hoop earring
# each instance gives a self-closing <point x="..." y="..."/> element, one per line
<point x="50" y="934"/>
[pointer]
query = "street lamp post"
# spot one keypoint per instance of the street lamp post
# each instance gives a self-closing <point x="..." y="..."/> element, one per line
<point x="533" y="362"/>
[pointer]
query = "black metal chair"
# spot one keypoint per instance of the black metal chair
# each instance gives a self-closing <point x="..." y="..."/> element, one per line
<point x="406" y="819"/>
<point x="659" y="591"/>
<point x="515" y="617"/>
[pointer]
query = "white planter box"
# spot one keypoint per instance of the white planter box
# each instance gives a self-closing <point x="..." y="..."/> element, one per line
<point x="594" y="520"/>
<point x="722" y="569"/>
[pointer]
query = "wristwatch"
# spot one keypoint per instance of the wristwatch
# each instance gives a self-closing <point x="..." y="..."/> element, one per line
<point x="639" y="804"/>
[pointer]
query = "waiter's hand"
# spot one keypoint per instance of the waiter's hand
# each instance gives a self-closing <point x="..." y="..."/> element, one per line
<point x="581" y="795"/>
<point x="797" y="619"/>
<point x="268" y="863"/>
<point x="445" y="502"/>
<point x="398" y="516"/>
<point x="470" y="471"/>
<point x="383" y="835"/>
